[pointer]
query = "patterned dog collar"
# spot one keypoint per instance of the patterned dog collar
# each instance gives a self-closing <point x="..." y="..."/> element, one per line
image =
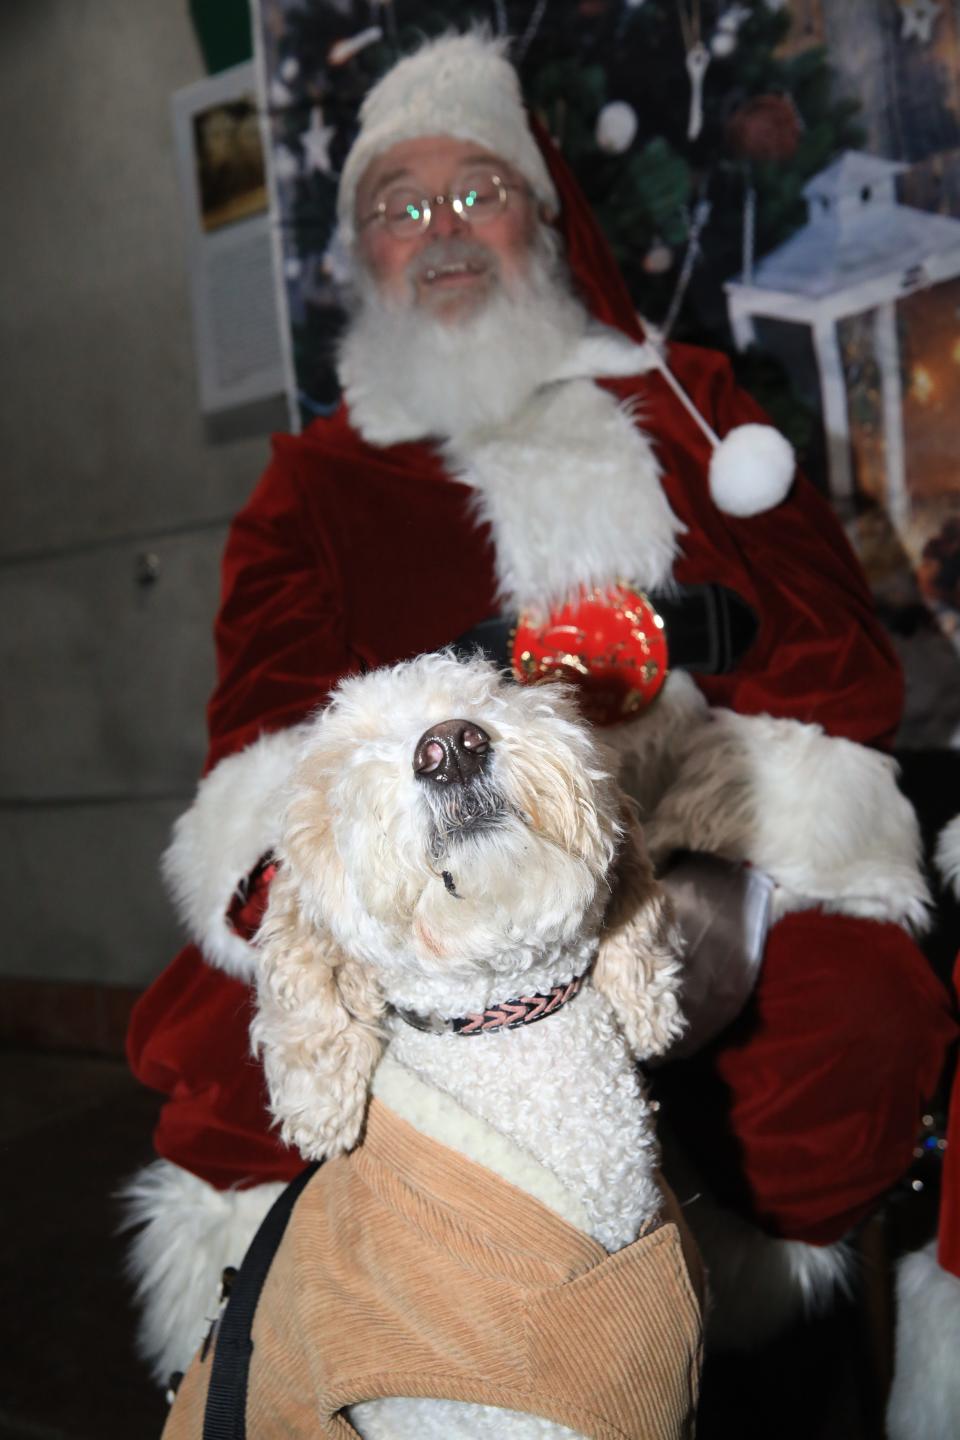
<point x="509" y="1015"/>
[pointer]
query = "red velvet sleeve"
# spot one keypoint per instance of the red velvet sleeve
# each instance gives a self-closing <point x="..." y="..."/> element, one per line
<point x="280" y="636"/>
<point x="821" y="654"/>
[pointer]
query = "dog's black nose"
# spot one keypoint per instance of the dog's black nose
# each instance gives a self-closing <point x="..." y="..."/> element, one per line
<point x="451" y="753"/>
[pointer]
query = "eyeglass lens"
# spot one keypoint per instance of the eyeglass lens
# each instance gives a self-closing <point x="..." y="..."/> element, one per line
<point x="475" y="197"/>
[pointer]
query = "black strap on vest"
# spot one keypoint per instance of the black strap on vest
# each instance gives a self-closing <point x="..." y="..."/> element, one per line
<point x="225" y="1415"/>
<point x="709" y="629"/>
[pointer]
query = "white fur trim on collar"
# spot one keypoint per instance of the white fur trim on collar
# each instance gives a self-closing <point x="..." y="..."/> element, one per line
<point x="603" y="351"/>
<point x="924" y="1399"/>
<point x="570" y="488"/>
<point x="947" y="855"/>
<point x="823" y="816"/>
<point x="234" y="820"/>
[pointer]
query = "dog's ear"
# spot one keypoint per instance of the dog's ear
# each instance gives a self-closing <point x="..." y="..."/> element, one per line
<point x="316" y="1027"/>
<point x="638" y="964"/>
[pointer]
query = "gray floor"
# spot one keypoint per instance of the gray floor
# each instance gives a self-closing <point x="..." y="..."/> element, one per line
<point x="71" y="1129"/>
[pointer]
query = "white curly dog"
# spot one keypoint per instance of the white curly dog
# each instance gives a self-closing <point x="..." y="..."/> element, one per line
<point x="452" y="842"/>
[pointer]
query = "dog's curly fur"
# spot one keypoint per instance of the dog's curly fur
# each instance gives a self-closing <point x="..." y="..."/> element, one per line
<point x="546" y="877"/>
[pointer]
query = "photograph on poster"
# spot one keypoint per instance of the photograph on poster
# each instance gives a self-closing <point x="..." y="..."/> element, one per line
<point x="230" y="168"/>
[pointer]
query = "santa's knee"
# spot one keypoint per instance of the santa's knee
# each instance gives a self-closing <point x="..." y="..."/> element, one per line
<point x="855" y="1004"/>
<point x="816" y="1092"/>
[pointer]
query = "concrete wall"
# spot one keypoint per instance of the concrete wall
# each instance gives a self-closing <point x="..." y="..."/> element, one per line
<point x="103" y="461"/>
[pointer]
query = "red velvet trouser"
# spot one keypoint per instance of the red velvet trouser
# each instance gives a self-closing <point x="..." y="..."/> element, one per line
<point x="802" y="1114"/>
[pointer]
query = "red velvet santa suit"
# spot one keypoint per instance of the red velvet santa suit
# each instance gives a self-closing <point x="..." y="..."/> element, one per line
<point x="352" y="555"/>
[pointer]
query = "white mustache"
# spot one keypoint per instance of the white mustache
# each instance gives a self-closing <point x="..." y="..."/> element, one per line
<point x="451" y="256"/>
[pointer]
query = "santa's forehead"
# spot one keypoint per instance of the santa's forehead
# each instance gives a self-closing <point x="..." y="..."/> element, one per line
<point x="426" y="156"/>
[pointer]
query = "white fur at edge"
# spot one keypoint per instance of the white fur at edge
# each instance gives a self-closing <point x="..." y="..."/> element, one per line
<point x="752" y="470"/>
<point x="924" y="1400"/>
<point x="823" y="816"/>
<point x="233" y="821"/>
<point x="948" y="855"/>
<point x="187" y="1233"/>
<point x="570" y="488"/>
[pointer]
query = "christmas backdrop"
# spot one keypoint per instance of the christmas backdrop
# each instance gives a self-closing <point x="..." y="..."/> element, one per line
<point x="780" y="180"/>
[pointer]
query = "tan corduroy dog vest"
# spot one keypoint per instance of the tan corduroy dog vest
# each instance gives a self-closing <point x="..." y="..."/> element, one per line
<point x="408" y="1270"/>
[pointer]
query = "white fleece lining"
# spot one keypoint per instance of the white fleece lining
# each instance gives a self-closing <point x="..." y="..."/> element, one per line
<point x="439" y="1116"/>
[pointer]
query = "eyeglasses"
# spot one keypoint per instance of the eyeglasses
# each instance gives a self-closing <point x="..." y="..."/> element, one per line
<point x="476" y="197"/>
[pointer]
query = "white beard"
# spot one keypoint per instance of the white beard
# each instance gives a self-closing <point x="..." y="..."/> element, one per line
<point x="407" y="374"/>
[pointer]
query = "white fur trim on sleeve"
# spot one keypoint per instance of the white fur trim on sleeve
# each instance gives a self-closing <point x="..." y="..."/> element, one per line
<point x="925" y="1396"/>
<point x="823" y="816"/>
<point x="233" y="821"/>
<point x="187" y="1232"/>
<point x="948" y="855"/>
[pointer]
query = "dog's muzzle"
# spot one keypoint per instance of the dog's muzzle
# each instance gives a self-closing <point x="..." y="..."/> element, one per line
<point x="455" y="752"/>
<point x="452" y="762"/>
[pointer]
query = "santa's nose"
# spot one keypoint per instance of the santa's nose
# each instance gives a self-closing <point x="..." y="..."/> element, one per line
<point x="444" y="220"/>
<point x="451" y="753"/>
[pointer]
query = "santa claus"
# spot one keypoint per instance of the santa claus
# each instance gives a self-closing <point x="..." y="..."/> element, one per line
<point x="516" y="458"/>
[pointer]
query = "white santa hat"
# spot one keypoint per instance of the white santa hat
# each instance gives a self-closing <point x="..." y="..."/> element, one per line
<point x="464" y="86"/>
<point x="459" y="85"/>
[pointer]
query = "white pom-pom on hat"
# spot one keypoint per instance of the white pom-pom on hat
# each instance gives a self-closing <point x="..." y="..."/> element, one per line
<point x="752" y="470"/>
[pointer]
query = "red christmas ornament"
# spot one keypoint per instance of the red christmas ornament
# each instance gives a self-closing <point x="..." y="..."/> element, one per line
<point x="767" y="127"/>
<point x="611" y="644"/>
